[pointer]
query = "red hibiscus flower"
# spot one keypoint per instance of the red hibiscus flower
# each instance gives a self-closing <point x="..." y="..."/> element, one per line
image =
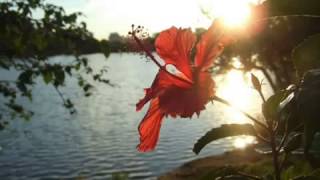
<point x="185" y="92"/>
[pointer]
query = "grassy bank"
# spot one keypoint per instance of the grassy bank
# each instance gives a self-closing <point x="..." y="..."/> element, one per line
<point x="246" y="161"/>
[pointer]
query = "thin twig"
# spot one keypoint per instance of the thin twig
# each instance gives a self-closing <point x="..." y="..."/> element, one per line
<point x="60" y="94"/>
<point x="146" y="51"/>
<point x="262" y="96"/>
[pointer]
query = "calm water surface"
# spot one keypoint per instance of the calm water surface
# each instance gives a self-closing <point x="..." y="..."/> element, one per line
<point x="100" y="139"/>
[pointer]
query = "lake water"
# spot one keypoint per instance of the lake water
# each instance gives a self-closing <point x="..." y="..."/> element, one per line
<point x="100" y="139"/>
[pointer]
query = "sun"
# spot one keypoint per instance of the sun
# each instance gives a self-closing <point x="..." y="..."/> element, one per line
<point x="234" y="13"/>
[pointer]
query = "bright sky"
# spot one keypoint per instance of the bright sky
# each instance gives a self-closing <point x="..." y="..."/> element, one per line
<point x="106" y="16"/>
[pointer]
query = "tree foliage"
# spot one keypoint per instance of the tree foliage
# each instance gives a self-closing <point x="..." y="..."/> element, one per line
<point x="31" y="31"/>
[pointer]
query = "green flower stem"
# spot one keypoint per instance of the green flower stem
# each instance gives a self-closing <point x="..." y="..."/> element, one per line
<point x="275" y="157"/>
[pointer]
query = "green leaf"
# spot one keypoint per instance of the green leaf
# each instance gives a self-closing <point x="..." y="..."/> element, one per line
<point x="22" y="87"/>
<point x="308" y="105"/>
<point x="294" y="143"/>
<point x="226" y="130"/>
<point x="87" y="87"/>
<point x="59" y="75"/>
<point x="84" y="61"/>
<point x="4" y="64"/>
<point x="77" y="66"/>
<point x="26" y="77"/>
<point x="80" y="81"/>
<point x="16" y="107"/>
<point x="47" y="76"/>
<point x="306" y="56"/>
<point x="28" y="94"/>
<point x="68" y="70"/>
<point x="271" y="107"/>
<point x="106" y="81"/>
<point x="255" y="82"/>
<point x="288" y="120"/>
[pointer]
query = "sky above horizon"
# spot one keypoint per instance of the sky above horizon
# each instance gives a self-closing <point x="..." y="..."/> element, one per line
<point x="104" y="16"/>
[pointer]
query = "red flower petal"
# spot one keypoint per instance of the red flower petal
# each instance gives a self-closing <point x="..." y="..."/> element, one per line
<point x="206" y="87"/>
<point x="162" y="82"/>
<point x="149" y="128"/>
<point x="176" y="101"/>
<point x="183" y="93"/>
<point x="210" y="46"/>
<point x="174" y="47"/>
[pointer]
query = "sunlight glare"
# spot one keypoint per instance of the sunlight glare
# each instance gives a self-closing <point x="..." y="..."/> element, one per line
<point x="236" y="88"/>
<point x="234" y="13"/>
<point x="239" y="93"/>
<point x="236" y="62"/>
<point x="243" y="141"/>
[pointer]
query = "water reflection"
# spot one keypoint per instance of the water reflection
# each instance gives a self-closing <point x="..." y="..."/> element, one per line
<point x="243" y="141"/>
<point x="237" y="89"/>
<point x="100" y="139"/>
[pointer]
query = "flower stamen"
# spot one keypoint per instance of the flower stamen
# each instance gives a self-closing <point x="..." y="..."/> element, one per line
<point x="139" y="29"/>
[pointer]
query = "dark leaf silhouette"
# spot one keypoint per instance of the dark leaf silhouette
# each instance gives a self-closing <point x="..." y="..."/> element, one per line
<point x="226" y="130"/>
<point x="255" y="82"/>
<point x="293" y="143"/>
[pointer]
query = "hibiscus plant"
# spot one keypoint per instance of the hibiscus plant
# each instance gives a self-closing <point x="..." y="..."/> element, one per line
<point x="289" y="116"/>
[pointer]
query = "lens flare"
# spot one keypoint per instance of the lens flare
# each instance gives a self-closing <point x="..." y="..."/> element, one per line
<point x="234" y="13"/>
